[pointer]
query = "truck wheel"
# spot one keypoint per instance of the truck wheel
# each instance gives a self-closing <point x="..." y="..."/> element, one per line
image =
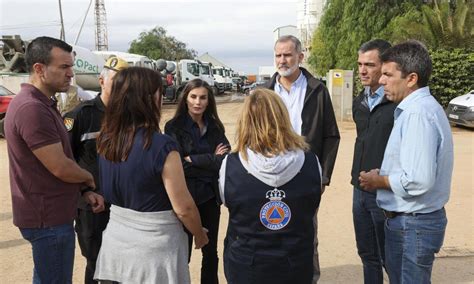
<point x="215" y="90"/>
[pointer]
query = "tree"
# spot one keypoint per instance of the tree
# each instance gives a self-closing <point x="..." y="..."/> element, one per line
<point x="451" y="23"/>
<point x="408" y="25"/>
<point x="445" y="27"/>
<point x="345" y="25"/>
<point x="156" y="44"/>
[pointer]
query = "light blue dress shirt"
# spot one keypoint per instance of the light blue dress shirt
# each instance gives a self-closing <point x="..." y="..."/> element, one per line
<point x="375" y="98"/>
<point x="418" y="159"/>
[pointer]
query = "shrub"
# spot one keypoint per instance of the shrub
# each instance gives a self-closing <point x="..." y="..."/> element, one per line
<point x="453" y="74"/>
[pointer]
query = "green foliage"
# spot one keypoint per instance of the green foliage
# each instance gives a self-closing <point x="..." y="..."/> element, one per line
<point x="446" y="27"/>
<point x="156" y="44"/>
<point x="453" y="73"/>
<point x="409" y="25"/>
<point x="346" y="24"/>
<point x="450" y="23"/>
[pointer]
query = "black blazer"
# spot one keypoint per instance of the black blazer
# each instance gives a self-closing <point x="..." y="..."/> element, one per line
<point x="204" y="164"/>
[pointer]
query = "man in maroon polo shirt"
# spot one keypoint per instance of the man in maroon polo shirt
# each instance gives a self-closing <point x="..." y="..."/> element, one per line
<point x="44" y="179"/>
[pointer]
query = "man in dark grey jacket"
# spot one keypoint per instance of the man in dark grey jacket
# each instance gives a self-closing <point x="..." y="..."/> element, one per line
<point x="310" y="109"/>
<point x="373" y="115"/>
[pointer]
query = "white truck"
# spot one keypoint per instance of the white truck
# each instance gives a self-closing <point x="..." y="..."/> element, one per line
<point x="176" y="76"/>
<point x="205" y="72"/>
<point x="219" y="76"/>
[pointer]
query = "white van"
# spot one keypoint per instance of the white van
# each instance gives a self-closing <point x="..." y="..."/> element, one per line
<point x="460" y="110"/>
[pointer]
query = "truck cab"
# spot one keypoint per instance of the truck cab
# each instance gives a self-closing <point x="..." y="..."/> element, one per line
<point x="188" y="69"/>
<point x="207" y="76"/>
<point x="219" y="76"/>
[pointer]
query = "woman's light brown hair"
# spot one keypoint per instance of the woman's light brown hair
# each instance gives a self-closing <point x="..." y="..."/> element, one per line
<point x="264" y="126"/>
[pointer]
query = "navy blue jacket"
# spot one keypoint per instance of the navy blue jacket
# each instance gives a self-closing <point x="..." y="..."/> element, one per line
<point x="270" y="236"/>
<point x="373" y="130"/>
<point x="205" y="166"/>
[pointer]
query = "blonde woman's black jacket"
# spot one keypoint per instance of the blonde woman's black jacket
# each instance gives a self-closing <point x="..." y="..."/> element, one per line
<point x="319" y="125"/>
<point x="373" y="130"/>
<point x="205" y="166"/>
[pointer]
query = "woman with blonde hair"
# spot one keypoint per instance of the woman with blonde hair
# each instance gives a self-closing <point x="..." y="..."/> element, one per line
<point x="271" y="185"/>
<point x="142" y="177"/>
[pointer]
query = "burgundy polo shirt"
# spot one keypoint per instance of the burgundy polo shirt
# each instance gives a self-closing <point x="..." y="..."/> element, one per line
<point x="39" y="199"/>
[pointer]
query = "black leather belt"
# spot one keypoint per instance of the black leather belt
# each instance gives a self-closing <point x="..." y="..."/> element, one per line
<point x="392" y="214"/>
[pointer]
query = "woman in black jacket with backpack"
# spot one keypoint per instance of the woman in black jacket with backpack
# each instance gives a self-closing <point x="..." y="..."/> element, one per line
<point x="200" y="134"/>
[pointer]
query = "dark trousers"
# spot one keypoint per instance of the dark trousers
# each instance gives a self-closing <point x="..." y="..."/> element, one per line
<point x="89" y="227"/>
<point x="210" y="213"/>
<point x="369" y="223"/>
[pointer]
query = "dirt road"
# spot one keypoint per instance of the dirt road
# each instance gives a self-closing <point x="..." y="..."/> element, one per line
<point x="338" y="256"/>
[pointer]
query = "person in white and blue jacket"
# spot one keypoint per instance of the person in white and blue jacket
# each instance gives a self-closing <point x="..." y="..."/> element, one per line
<point x="271" y="185"/>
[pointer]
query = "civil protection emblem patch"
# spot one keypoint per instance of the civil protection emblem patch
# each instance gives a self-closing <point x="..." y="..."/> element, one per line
<point x="275" y="214"/>
<point x="69" y="123"/>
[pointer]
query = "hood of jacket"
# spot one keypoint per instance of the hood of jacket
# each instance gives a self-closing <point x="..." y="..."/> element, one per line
<point x="274" y="171"/>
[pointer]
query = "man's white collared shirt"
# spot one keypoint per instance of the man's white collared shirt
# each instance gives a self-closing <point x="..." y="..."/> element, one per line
<point x="294" y="99"/>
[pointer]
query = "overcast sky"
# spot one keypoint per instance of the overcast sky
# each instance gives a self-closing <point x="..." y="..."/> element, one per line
<point x="237" y="32"/>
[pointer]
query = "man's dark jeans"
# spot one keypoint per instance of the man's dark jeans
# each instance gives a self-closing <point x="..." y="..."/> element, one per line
<point x="53" y="253"/>
<point x="369" y="222"/>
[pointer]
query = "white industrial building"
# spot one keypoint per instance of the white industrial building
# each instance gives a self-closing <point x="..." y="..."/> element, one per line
<point x="308" y="15"/>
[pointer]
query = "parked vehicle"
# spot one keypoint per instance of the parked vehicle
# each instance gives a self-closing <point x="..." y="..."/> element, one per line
<point x="460" y="110"/>
<point x="247" y="88"/>
<point x="205" y="72"/>
<point x="220" y="78"/>
<point x="5" y="97"/>
<point x="237" y="84"/>
<point x="176" y="75"/>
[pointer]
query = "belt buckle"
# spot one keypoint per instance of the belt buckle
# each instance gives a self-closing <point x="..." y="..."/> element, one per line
<point x="389" y="214"/>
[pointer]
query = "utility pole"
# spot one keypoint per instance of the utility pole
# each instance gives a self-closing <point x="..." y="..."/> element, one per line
<point x="62" y="35"/>
<point x="101" y="39"/>
<point x="83" y="21"/>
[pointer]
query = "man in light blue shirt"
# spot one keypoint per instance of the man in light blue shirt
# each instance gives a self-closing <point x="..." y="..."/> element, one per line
<point x="413" y="184"/>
